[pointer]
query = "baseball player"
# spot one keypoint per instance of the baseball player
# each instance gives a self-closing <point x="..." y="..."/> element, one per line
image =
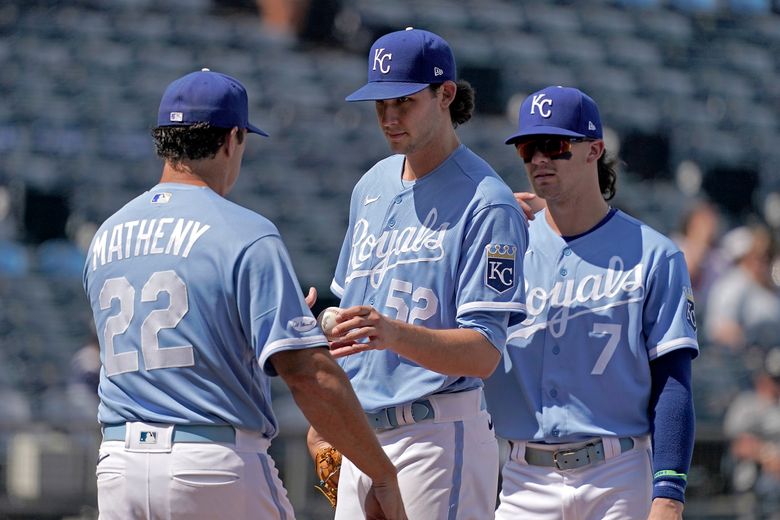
<point x="197" y="306"/>
<point x="594" y="392"/>
<point x="429" y="276"/>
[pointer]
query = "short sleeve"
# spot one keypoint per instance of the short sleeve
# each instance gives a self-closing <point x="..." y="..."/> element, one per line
<point x="272" y="309"/>
<point x="490" y="271"/>
<point x="669" y="320"/>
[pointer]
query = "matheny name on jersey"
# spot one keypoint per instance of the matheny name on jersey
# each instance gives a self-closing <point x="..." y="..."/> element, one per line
<point x="594" y="293"/>
<point x="374" y="256"/>
<point x="146" y="237"/>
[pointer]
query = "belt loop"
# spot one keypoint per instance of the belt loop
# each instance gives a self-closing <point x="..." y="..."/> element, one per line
<point x="403" y="414"/>
<point x="517" y="452"/>
<point x="611" y="447"/>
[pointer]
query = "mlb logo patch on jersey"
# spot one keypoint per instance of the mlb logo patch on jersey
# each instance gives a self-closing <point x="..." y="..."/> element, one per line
<point x="161" y="198"/>
<point x="147" y="438"/>
<point x="500" y="266"/>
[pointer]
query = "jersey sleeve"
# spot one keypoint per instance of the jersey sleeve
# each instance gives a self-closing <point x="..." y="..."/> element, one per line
<point x="338" y="283"/>
<point x="490" y="271"/>
<point x="339" y="278"/>
<point x="669" y="320"/>
<point x="271" y="306"/>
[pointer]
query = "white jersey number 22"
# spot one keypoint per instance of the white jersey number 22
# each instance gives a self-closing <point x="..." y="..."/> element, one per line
<point x="158" y="319"/>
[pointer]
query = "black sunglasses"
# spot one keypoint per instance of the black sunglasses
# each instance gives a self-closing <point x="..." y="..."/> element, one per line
<point x="553" y="147"/>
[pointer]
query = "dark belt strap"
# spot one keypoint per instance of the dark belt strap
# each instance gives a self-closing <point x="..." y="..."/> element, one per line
<point x="573" y="458"/>
<point x="222" y="434"/>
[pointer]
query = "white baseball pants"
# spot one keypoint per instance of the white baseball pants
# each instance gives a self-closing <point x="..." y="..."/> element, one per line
<point x="618" y="488"/>
<point x="447" y="467"/>
<point x="189" y="480"/>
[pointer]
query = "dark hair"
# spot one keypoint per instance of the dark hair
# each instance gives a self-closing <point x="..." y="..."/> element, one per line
<point x="607" y="166"/>
<point x="197" y="141"/>
<point x="462" y="106"/>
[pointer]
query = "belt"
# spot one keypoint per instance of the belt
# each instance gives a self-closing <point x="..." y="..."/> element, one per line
<point x="400" y="415"/>
<point x="181" y="433"/>
<point x="573" y="458"/>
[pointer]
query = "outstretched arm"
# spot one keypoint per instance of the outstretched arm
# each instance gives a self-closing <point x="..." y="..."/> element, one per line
<point x="323" y="393"/>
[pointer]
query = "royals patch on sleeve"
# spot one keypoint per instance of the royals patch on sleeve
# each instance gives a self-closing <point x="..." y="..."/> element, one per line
<point x="500" y="266"/>
<point x="690" y="310"/>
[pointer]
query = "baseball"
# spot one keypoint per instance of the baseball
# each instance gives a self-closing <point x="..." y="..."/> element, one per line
<point x="327" y="319"/>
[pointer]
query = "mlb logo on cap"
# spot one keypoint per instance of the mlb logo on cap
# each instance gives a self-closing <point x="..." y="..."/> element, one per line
<point x="403" y="63"/>
<point x="558" y="111"/>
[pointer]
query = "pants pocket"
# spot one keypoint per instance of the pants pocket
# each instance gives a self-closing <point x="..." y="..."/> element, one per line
<point x="205" y="478"/>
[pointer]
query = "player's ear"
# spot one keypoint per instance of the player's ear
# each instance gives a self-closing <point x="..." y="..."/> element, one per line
<point x="232" y="140"/>
<point x="596" y="150"/>
<point x="448" y="90"/>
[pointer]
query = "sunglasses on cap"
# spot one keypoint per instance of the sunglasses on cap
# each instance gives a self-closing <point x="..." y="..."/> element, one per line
<point x="553" y="147"/>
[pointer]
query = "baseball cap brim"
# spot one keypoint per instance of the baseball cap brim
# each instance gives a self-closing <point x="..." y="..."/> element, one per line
<point x="542" y="130"/>
<point x="385" y="90"/>
<point x="254" y="130"/>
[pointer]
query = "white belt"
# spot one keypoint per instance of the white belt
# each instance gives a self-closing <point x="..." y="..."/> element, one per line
<point x="436" y="408"/>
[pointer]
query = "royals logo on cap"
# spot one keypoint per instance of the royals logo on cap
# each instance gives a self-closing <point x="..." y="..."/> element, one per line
<point x="500" y="266"/>
<point x="403" y="63"/>
<point x="558" y="111"/>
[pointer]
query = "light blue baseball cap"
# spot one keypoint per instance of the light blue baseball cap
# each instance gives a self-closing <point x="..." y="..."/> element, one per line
<point x="403" y="63"/>
<point x="558" y="111"/>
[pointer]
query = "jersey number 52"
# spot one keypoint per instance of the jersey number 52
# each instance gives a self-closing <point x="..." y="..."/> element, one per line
<point x="424" y="301"/>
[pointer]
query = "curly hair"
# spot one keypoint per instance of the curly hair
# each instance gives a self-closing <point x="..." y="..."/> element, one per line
<point x="462" y="106"/>
<point x="607" y="166"/>
<point x="197" y="141"/>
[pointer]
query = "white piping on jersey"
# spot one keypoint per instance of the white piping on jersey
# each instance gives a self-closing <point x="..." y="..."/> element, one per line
<point x="490" y="306"/>
<point x="281" y="344"/>
<point x="336" y="289"/>
<point x="668" y="346"/>
<point x="408" y="245"/>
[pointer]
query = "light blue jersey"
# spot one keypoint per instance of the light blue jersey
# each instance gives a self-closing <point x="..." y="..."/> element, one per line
<point x="191" y="295"/>
<point x="443" y="252"/>
<point x="600" y="308"/>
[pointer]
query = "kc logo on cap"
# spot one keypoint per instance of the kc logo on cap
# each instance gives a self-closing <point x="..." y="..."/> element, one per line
<point x="403" y="63"/>
<point x="540" y="102"/>
<point x="562" y="111"/>
<point x="379" y="58"/>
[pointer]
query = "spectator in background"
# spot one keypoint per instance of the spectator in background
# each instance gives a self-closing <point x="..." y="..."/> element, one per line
<point x="743" y="307"/>
<point x="85" y="365"/>
<point x="752" y="424"/>
<point x="698" y="239"/>
<point x="307" y="20"/>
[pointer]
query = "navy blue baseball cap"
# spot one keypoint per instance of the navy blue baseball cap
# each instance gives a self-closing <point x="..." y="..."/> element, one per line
<point x="403" y="63"/>
<point x="206" y="97"/>
<point x="558" y="111"/>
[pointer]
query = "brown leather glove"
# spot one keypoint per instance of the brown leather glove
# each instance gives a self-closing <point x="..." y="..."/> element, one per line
<point x="327" y="466"/>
